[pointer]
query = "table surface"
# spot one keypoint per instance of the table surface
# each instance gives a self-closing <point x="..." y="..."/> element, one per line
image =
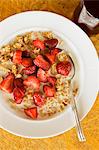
<point x="68" y="140"/>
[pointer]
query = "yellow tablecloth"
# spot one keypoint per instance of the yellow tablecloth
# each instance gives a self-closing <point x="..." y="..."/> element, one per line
<point x="68" y="140"/>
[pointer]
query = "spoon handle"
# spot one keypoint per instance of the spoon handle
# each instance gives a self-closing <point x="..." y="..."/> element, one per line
<point x="77" y="120"/>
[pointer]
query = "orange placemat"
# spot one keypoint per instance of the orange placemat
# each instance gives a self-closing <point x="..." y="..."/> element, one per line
<point x="68" y="140"/>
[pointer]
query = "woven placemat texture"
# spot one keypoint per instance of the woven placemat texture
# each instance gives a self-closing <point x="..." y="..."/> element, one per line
<point x="68" y="140"/>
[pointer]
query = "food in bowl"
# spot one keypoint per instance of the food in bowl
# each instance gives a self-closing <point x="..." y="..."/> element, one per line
<point x="35" y="72"/>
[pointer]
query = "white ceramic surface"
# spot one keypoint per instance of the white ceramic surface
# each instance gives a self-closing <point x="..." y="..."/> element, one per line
<point x="84" y="51"/>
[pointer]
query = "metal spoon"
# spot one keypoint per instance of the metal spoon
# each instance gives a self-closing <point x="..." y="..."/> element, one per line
<point x="73" y="104"/>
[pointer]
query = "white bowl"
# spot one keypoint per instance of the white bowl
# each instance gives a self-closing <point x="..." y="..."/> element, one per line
<point x="83" y="50"/>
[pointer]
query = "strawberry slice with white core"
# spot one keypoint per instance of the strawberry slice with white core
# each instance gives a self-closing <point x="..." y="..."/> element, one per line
<point x="52" y="55"/>
<point x="31" y="112"/>
<point x="49" y="91"/>
<point x="39" y="44"/>
<point x="17" y="57"/>
<point x="55" y="51"/>
<point x="18" y="94"/>
<point x="7" y="84"/>
<point x="64" y="68"/>
<point x="33" y="82"/>
<point x="29" y="70"/>
<point x="41" y="62"/>
<point x="41" y="74"/>
<point x="52" y="80"/>
<point x="38" y="99"/>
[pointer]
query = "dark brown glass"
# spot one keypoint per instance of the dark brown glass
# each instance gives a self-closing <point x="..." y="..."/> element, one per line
<point x="92" y="7"/>
<point x="86" y="16"/>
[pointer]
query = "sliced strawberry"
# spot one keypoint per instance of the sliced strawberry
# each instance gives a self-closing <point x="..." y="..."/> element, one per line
<point x="31" y="112"/>
<point x="49" y="91"/>
<point x="23" y="89"/>
<point x="38" y="99"/>
<point x="17" y="57"/>
<point x="50" y="57"/>
<point x="18" y="82"/>
<point x="64" y="68"/>
<point x="18" y="94"/>
<point x="55" y="51"/>
<point x="33" y="82"/>
<point x="39" y="44"/>
<point x="25" y="53"/>
<point x="52" y="80"/>
<point x="41" y="62"/>
<point x="41" y="74"/>
<point x="29" y="70"/>
<point x="7" y="84"/>
<point x="51" y="43"/>
<point x="27" y="62"/>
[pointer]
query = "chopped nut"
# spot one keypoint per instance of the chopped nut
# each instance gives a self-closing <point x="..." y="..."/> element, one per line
<point x="7" y="64"/>
<point x="1" y="79"/>
<point x="11" y="54"/>
<point x="18" y="75"/>
<point x="6" y="49"/>
<point x="58" y="76"/>
<point x="27" y="38"/>
<point x="48" y="34"/>
<point x="19" y="39"/>
<point x="14" y="69"/>
<point x="36" y="51"/>
<point x="65" y="101"/>
<point x="5" y="58"/>
<point x="61" y="107"/>
<point x="53" y="69"/>
<point x="17" y="45"/>
<point x="75" y="91"/>
<point x="62" y="56"/>
<point x="2" y="68"/>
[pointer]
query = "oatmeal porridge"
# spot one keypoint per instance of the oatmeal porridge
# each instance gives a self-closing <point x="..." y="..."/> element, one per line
<point x="35" y="70"/>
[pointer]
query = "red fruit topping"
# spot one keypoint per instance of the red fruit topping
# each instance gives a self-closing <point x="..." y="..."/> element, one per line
<point x="64" y="68"/>
<point x="41" y="74"/>
<point x="39" y="44"/>
<point x="41" y="62"/>
<point x="18" y="82"/>
<point x="32" y="81"/>
<point x="23" y="89"/>
<point x="49" y="91"/>
<point x="17" y="57"/>
<point x="18" y="94"/>
<point x="55" y="51"/>
<point x="25" y="54"/>
<point x="52" y="80"/>
<point x="31" y="112"/>
<point x="38" y="99"/>
<point x="29" y="70"/>
<point x="27" y="62"/>
<point x="50" y="57"/>
<point x="51" y="43"/>
<point x="7" y="84"/>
